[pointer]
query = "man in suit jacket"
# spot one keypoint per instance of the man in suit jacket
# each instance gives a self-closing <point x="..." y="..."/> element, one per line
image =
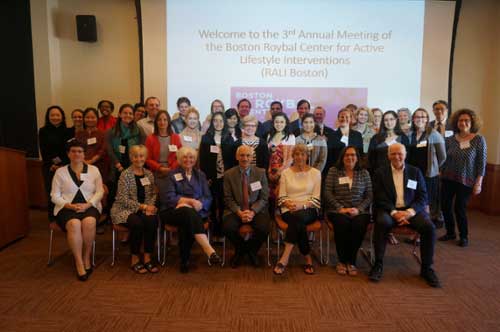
<point x="245" y="208"/>
<point x="442" y="123"/>
<point x="400" y="199"/>
<point x="303" y="107"/>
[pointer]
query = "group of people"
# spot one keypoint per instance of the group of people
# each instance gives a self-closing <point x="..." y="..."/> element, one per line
<point x="231" y="170"/>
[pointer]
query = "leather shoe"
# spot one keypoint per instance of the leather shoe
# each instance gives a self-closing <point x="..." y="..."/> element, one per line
<point x="430" y="277"/>
<point x="83" y="277"/>
<point x="464" y="242"/>
<point x="184" y="268"/>
<point x="89" y="271"/>
<point x="214" y="259"/>
<point x="254" y="260"/>
<point x="447" y="237"/>
<point x="236" y="260"/>
<point x="376" y="272"/>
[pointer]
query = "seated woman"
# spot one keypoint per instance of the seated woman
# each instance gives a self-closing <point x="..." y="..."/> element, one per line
<point x="299" y="200"/>
<point x="134" y="208"/>
<point x="187" y="199"/>
<point x="77" y="192"/>
<point x="348" y="195"/>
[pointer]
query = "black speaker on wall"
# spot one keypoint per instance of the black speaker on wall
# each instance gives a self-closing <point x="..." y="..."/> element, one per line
<point x="86" y="28"/>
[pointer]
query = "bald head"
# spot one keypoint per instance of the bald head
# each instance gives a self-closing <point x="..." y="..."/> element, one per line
<point x="397" y="154"/>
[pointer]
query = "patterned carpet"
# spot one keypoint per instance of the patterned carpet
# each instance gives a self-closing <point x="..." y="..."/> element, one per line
<point x="34" y="297"/>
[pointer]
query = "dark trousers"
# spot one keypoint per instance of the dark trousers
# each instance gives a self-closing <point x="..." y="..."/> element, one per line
<point x="217" y="208"/>
<point x="296" y="233"/>
<point x="420" y="223"/>
<point x="188" y="223"/>
<point x="461" y="193"/>
<point x="231" y="229"/>
<point x="349" y="233"/>
<point x="47" y="180"/>
<point x="141" y="228"/>
<point x="432" y="185"/>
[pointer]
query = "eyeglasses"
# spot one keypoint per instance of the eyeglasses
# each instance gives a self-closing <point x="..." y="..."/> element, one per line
<point x="420" y="117"/>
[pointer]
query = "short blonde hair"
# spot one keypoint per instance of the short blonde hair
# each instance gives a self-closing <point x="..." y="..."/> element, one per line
<point x="300" y="148"/>
<point x="138" y="149"/>
<point x="192" y="110"/>
<point x="248" y="119"/>
<point x="367" y="110"/>
<point x="185" y="150"/>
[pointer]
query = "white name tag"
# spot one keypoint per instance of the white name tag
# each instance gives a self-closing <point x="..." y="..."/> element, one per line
<point x="422" y="144"/>
<point x="121" y="148"/>
<point x="448" y="133"/>
<point x="214" y="149"/>
<point x="178" y="177"/>
<point x="145" y="181"/>
<point x="172" y="148"/>
<point x="84" y="176"/>
<point x="309" y="146"/>
<point x="344" y="180"/>
<point x="188" y="138"/>
<point x="91" y="141"/>
<point x="464" y="145"/>
<point x="255" y="186"/>
<point x="412" y="184"/>
<point x="235" y="138"/>
<point x="56" y="160"/>
<point x="345" y="140"/>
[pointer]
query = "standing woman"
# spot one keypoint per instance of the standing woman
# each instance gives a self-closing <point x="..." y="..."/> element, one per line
<point x="139" y="111"/>
<point x="77" y="118"/>
<point x="191" y="134"/>
<point x="299" y="201"/>
<point x="107" y="120"/>
<point x="348" y="196"/>
<point x="316" y="144"/>
<point x="404" y="116"/>
<point x="377" y="119"/>
<point x="233" y="123"/>
<point x="134" y="208"/>
<point x="212" y="163"/>
<point x="428" y="153"/>
<point x="259" y="145"/>
<point x="53" y="137"/>
<point x="462" y="173"/>
<point x="216" y="106"/>
<point x="76" y="193"/>
<point x="365" y="117"/>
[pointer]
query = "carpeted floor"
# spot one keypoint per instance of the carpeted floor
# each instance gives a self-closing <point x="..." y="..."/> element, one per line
<point x="34" y="297"/>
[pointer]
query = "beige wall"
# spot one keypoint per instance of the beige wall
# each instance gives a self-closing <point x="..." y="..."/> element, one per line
<point x="476" y="70"/>
<point x="76" y="74"/>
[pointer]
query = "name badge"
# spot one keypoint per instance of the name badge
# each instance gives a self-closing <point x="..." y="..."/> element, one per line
<point x="255" y="186"/>
<point x="412" y="184"/>
<point x="145" y="181"/>
<point x="121" y="148"/>
<point x="178" y="177"/>
<point x="422" y="144"/>
<point x="344" y="180"/>
<point x="309" y="146"/>
<point x="188" y="138"/>
<point x="172" y="148"/>
<point x="235" y="138"/>
<point x="84" y="176"/>
<point x="56" y="160"/>
<point x="465" y="145"/>
<point x="345" y="140"/>
<point x="91" y="141"/>
<point x="448" y="133"/>
<point x="214" y="149"/>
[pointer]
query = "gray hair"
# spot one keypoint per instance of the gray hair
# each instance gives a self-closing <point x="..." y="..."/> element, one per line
<point x="185" y="150"/>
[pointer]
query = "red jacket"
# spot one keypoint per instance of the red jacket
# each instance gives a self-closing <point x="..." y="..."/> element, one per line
<point x="103" y="126"/>
<point x="153" y="146"/>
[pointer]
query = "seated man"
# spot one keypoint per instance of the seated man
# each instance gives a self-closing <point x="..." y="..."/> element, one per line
<point x="400" y="199"/>
<point x="245" y="196"/>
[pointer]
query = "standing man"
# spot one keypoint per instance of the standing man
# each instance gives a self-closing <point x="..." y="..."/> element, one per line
<point x="178" y="124"/>
<point x="276" y="107"/>
<point x="325" y="131"/>
<point x="441" y="124"/>
<point x="152" y="107"/>
<point x="303" y="107"/>
<point x="400" y="199"/>
<point x="246" y="195"/>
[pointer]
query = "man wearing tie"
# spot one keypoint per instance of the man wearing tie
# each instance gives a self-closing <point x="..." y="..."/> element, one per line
<point x="441" y="124"/>
<point x="245" y="196"/>
<point x="400" y="199"/>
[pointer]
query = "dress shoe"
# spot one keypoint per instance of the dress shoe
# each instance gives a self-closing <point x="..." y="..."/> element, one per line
<point x="236" y="260"/>
<point x="184" y="268"/>
<point x="376" y="272"/>
<point x="83" y="277"/>
<point x="447" y="237"/>
<point x="463" y="242"/>
<point x="254" y="259"/>
<point x="430" y="277"/>
<point x="214" y="259"/>
<point x="89" y="271"/>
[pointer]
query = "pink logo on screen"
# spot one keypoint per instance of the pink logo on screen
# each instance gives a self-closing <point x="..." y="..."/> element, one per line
<point x="331" y="99"/>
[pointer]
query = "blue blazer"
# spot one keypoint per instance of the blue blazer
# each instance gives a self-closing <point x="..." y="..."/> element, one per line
<point x="385" y="192"/>
<point x="196" y="188"/>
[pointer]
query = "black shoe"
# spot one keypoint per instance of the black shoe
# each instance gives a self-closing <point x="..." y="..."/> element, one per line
<point x="439" y="223"/>
<point x="184" y="268"/>
<point x="236" y="260"/>
<point x="376" y="272"/>
<point x="83" y="277"/>
<point x="89" y="271"/>
<point x="447" y="237"/>
<point x="464" y="242"/>
<point x="214" y="259"/>
<point x="254" y="259"/>
<point x="430" y="277"/>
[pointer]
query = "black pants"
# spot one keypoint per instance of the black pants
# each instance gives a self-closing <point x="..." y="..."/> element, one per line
<point x="296" y="233"/>
<point x="231" y="229"/>
<point x="47" y="180"/>
<point x="432" y="185"/>
<point x="217" y="208"/>
<point x="188" y="223"/>
<point x="420" y="222"/>
<point x="461" y="193"/>
<point x="141" y="228"/>
<point x="349" y="233"/>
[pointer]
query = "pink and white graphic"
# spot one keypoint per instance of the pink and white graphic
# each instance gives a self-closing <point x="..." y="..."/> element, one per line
<point x="331" y="99"/>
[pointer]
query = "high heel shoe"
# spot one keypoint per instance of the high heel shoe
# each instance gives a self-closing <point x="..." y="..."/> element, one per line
<point x="89" y="271"/>
<point x="83" y="277"/>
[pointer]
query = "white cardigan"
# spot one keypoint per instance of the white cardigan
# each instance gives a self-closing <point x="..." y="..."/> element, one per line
<point x="64" y="188"/>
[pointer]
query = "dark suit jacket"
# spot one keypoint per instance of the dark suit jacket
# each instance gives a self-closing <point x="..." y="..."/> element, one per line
<point x="385" y="192"/>
<point x="335" y="146"/>
<point x="233" y="194"/>
<point x="265" y="129"/>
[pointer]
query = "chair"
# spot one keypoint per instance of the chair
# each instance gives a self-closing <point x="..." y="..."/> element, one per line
<point x="173" y="229"/>
<point x="246" y="232"/>
<point x="312" y="228"/>
<point x="53" y="226"/>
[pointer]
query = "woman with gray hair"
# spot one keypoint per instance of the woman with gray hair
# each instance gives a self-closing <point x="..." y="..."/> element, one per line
<point x="187" y="201"/>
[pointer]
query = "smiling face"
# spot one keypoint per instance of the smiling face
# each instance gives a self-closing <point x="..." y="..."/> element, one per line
<point x="218" y="122"/>
<point x="319" y="115"/>
<point x="420" y="120"/>
<point x="350" y="159"/>
<point x="127" y="115"/>
<point x="55" y="117"/>
<point x="244" y="109"/>
<point x="389" y="121"/>
<point x="377" y="118"/>
<point x="138" y="158"/>
<point x="249" y="129"/>
<point x="299" y="158"/>
<point x="188" y="161"/>
<point x="76" y="154"/>
<point x="192" y="120"/>
<point x="275" y="108"/>
<point x="464" y="123"/>
<point x="105" y="109"/>
<point x="152" y="107"/>
<point x="344" y="118"/>
<point x="162" y="122"/>
<point x="362" y="116"/>
<point x="232" y="121"/>
<point x="440" y="112"/>
<point x="217" y="107"/>
<point x="403" y="117"/>
<point x="183" y="107"/>
<point x="139" y="113"/>
<point x="244" y="155"/>
<point x="308" y="125"/>
<point x="303" y="109"/>
<point x="90" y="120"/>
<point x="77" y="118"/>
<point x="279" y="123"/>
<point x="397" y="155"/>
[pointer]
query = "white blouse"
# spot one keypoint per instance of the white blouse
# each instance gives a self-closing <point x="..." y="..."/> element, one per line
<point x="300" y="187"/>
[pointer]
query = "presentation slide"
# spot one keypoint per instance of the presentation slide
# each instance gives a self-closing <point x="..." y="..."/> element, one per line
<point x="329" y="52"/>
